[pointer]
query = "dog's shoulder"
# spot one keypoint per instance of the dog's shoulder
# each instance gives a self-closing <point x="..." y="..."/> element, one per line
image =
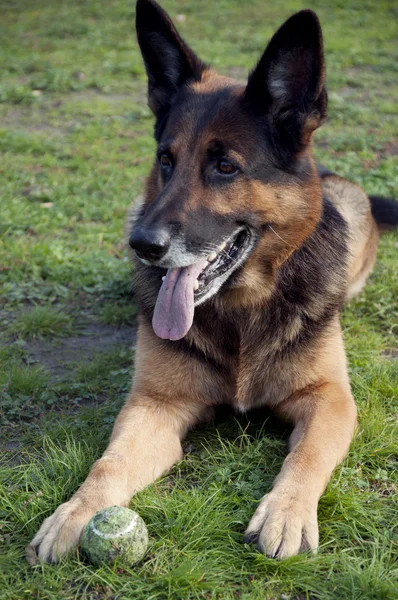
<point x="311" y="284"/>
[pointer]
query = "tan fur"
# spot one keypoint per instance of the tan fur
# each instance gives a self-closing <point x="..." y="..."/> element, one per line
<point x="324" y="418"/>
<point x="211" y="81"/>
<point x="354" y="205"/>
<point x="324" y="414"/>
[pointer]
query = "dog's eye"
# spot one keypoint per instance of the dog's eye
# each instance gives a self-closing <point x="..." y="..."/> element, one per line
<point x="225" y="167"/>
<point x="165" y="160"/>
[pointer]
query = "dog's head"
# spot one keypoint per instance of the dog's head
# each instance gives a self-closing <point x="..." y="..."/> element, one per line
<point x="234" y="189"/>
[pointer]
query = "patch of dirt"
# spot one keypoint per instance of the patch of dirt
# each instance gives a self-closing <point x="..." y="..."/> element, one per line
<point x="348" y="91"/>
<point x="138" y="95"/>
<point x="61" y="357"/>
<point x="389" y="149"/>
<point x="390" y="353"/>
<point x="11" y="446"/>
<point x="16" y="117"/>
<point x="357" y="72"/>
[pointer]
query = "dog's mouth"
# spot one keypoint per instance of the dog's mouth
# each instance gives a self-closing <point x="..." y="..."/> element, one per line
<point x="227" y="257"/>
<point x="183" y="288"/>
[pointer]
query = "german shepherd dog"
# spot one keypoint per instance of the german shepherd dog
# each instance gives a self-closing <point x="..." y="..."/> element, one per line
<point x="244" y="254"/>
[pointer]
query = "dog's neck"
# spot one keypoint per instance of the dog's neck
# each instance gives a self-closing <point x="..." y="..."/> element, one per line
<point x="300" y="294"/>
<point x="255" y="283"/>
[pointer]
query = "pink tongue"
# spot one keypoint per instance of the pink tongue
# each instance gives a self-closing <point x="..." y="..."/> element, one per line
<point x="173" y="314"/>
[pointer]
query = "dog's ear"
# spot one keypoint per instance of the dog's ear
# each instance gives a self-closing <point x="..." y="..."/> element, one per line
<point x="287" y="85"/>
<point x="169" y="62"/>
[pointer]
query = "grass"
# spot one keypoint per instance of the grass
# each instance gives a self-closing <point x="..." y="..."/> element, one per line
<point x="115" y="314"/>
<point x="42" y="321"/>
<point x="76" y="144"/>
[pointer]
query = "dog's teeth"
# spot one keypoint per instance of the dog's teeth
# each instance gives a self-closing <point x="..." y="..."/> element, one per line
<point x="221" y="248"/>
<point x="195" y="285"/>
<point x="212" y="257"/>
<point x="164" y="277"/>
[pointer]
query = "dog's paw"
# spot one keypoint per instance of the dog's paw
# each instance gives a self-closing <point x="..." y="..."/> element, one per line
<point x="284" y="525"/>
<point x="59" y="533"/>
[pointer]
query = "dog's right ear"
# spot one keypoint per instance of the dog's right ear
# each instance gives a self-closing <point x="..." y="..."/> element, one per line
<point x="169" y="61"/>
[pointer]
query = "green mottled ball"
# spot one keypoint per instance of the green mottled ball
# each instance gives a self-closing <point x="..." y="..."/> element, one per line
<point x="115" y="533"/>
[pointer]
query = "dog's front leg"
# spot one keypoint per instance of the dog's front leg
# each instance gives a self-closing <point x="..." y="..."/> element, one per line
<point x="285" y="522"/>
<point x="145" y="443"/>
<point x="168" y="398"/>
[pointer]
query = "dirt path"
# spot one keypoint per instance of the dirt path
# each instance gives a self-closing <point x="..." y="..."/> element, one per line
<point x="62" y="357"/>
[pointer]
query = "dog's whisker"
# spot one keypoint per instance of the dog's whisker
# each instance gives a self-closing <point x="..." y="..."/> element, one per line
<point x="277" y="234"/>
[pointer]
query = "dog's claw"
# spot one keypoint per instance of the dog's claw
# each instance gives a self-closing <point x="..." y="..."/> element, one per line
<point x="250" y="538"/>
<point x="284" y="525"/>
<point x="31" y="555"/>
<point x="60" y="532"/>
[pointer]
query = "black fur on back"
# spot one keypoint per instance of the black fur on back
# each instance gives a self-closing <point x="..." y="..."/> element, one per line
<point x="384" y="211"/>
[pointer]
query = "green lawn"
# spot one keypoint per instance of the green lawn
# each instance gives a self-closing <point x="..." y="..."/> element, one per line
<point x="76" y="144"/>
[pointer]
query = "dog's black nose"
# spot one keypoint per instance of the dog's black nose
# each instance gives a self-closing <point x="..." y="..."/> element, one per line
<point x="151" y="244"/>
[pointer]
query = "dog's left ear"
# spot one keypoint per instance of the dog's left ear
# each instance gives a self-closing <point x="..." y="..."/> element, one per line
<point x="287" y="85"/>
<point x="169" y="61"/>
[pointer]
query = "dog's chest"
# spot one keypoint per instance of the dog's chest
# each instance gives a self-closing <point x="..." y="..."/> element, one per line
<point x="264" y="376"/>
<point x="258" y="355"/>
